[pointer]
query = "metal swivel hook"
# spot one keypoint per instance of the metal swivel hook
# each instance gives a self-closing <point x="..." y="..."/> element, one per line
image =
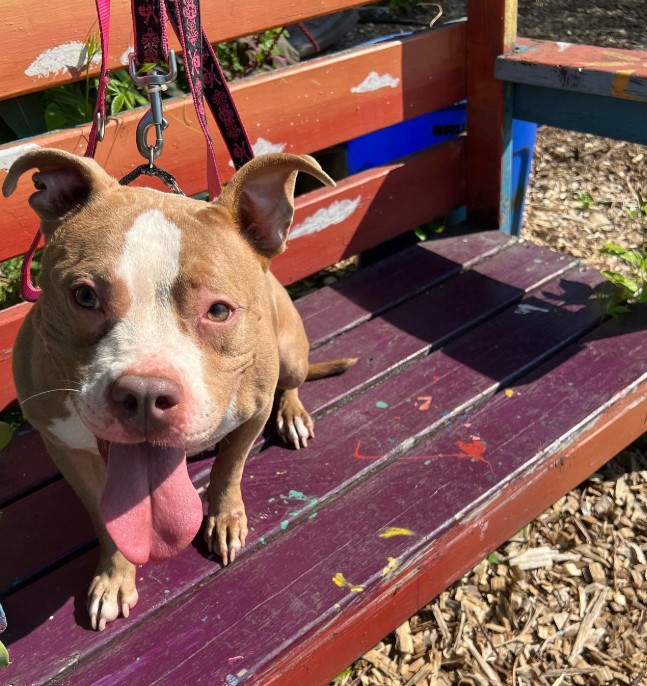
<point x="155" y="83"/>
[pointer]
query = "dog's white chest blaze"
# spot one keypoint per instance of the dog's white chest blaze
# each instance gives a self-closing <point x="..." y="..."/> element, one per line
<point x="148" y="339"/>
<point x="72" y="432"/>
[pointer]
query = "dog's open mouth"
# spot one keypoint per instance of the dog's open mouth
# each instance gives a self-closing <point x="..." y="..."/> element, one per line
<point x="149" y="505"/>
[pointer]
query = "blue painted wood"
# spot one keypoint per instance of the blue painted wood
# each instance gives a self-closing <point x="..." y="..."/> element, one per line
<point x="621" y="119"/>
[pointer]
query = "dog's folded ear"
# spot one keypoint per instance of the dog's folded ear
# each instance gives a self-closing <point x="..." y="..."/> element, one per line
<point x="63" y="181"/>
<point x="261" y="197"/>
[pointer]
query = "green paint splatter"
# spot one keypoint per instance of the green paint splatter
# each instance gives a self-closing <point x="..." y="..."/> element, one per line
<point x="262" y="540"/>
<point x="427" y="462"/>
<point x="296" y="495"/>
<point x="381" y="404"/>
<point x="313" y="515"/>
<point x="284" y="524"/>
<point x="271" y="500"/>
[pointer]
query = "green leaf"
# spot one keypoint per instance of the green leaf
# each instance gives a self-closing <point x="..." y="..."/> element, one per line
<point x="340" y="676"/>
<point x="422" y="236"/>
<point x="6" y="434"/>
<point x="4" y="656"/>
<point x="621" y="280"/>
<point x="493" y="559"/>
<point x="634" y="257"/>
<point x="117" y="103"/>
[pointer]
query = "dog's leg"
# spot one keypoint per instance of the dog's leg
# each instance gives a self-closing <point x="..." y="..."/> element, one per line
<point x="113" y="589"/>
<point x="226" y="527"/>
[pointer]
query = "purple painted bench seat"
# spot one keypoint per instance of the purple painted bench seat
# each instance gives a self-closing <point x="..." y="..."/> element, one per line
<point x="479" y="380"/>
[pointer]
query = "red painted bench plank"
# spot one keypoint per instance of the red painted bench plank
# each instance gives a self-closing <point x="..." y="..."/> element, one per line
<point x="313" y="470"/>
<point x="429" y="183"/>
<point x="288" y="585"/>
<point x="582" y="68"/>
<point x="283" y="108"/>
<point x="326" y="313"/>
<point x="42" y="30"/>
<point x="396" y="336"/>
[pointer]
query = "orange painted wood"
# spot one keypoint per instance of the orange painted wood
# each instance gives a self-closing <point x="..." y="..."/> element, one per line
<point x="300" y="109"/>
<point x="581" y="68"/>
<point x="491" y="30"/>
<point x="426" y="186"/>
<point x="29" y="32"/>
<point x="10" y="321"/>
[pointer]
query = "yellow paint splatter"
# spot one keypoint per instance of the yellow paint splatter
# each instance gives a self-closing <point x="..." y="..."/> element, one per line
<point x="390" y="531"/>
<point x="509" y="392"/>
<point x="340" y="580"/>
<point x="392" y="565"/>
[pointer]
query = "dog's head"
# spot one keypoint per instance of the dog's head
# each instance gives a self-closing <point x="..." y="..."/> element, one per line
<point x="155" y="303"/>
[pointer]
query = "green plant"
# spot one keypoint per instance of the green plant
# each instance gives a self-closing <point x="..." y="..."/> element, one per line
<point x="628" y="284"/>
<point x="10" y="279"/>
<point x="262" y="52"/>
<point x="586" y="200"/>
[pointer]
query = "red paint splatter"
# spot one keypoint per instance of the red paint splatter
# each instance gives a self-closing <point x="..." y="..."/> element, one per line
<point x="426" y="404"/>
<point x="474" y="451"/>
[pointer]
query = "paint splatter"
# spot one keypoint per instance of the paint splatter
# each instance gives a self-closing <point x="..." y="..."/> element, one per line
<point x="284" y="524"/>
<point x="231" y="680"/>
<point x="262" y="540"/>
<point x="271" y="500"/>
<point x="391" y="531"/>
<point x="313" y="515"/>
<point x="392" y="565"/>
<point x="381" y="404"/>
<point x="335" y="213"/>
<point x="340" y="580"/>
<point x="509" y="392"/>
<point x="425" y="404"/>
<point x="427" y="462"/>
<point x="374" y="82"/>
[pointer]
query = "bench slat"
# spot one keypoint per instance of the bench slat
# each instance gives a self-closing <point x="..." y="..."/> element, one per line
<point x="55" y="39"/>
<point x="610" y="72"/>
<point x="288" y="584"/>
<point x="282" y="110"/>
<point x="398" y="335"/>
<point x="312" y="472"/>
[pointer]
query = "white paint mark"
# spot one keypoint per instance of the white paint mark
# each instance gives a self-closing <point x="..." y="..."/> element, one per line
<point x="72" y="431"/>
<point x="63" y="58"/>
<point x="335" y="213"/>
<point x="563" y="46"/>
<point x="374" y="82"/>
<point x="264" y="147"/>
<point x="10" y="155"/>
<point x="125" y="57"/>
<point x="524" y="308"/>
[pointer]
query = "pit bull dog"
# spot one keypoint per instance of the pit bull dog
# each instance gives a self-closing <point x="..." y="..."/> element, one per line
<point x="160" y="331"/>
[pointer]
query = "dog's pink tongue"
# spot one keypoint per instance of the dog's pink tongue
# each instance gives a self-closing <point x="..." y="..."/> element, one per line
<point x="149" y="505"/>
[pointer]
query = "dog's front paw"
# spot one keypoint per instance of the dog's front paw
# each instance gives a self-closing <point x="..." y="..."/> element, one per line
<point x="226" y="528"/>
<point x="112" y="592"/>
<point x="293" y="423"/>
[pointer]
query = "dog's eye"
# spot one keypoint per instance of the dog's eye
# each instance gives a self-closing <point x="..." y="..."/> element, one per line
<point x="86" y="297"/>
<point x="219" y="312"/>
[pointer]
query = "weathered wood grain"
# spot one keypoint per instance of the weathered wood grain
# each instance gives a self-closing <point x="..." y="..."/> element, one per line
<point x="44" y="31"/>
<point x="461" y="473"/>
<point x="300" y="109"/>
<point x="580" y="68"/>
<point x="281" y="489"/>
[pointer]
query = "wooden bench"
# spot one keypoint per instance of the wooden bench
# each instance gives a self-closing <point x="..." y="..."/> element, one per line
<point x="489" y="382"/>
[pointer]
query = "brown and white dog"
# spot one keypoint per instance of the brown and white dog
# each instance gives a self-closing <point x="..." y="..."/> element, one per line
<point x="159" y="332"/>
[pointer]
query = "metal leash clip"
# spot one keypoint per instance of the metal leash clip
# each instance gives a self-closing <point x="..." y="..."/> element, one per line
<point x="155" y="83"/>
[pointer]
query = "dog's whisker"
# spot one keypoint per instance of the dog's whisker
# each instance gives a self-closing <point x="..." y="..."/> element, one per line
<point x="51" y="390"/>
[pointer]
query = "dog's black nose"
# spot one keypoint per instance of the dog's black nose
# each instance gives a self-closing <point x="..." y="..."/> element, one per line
<point x="145" y="402"/>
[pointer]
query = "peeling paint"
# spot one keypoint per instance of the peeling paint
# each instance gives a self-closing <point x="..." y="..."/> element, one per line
<point x="70" y="57"/>
<point x="10" y="155"/>
<point x="334" y="214"/>
<point x="524" y="308"/>
<point x="264" y="147"/>
<point x="561" y="46"/>
<point x="374" y="82"/>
